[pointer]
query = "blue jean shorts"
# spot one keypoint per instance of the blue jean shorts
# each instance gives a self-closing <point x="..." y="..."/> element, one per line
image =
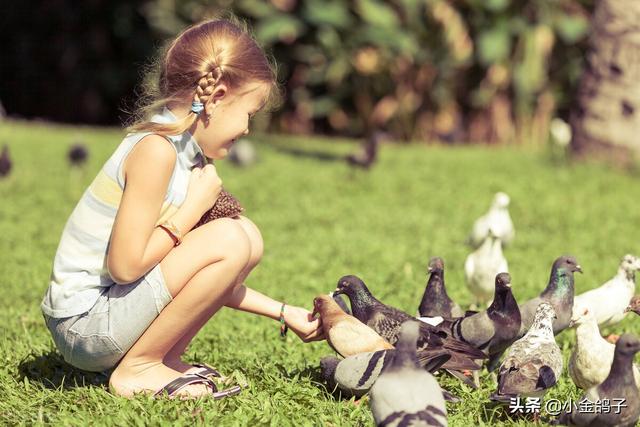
<point x="97" y="339"/>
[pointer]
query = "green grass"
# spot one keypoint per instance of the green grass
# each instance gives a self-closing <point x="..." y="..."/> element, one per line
<point x="320" y="220"/>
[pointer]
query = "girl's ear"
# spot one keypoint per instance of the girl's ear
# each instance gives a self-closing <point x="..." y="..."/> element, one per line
<point x="219" y="93"/>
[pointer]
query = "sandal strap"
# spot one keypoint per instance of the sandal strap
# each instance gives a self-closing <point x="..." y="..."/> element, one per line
<point x="181" y="382"/>
<point x="207" y="370"/>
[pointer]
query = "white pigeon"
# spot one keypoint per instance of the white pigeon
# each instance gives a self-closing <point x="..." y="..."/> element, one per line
<point x="483" y="265"/>
<point x="243" y="153"/>
<point x="496" y="219"/>
<point x="592" y="355"/>
<point x="608" y="302"/>
<point x="405" y="394"/>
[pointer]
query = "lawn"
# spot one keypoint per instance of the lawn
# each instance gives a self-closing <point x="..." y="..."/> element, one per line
<point x="320" y="220"/>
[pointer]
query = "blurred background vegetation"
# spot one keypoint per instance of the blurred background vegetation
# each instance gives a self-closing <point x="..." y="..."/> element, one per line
<point x="448" y="70"/>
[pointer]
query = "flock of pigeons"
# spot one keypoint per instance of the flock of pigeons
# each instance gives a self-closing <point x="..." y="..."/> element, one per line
<point x="391" y="355"/>
<point x="77" y="156"/>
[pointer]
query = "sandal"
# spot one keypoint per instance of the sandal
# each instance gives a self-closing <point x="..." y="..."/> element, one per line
<point x="189" y="379"/>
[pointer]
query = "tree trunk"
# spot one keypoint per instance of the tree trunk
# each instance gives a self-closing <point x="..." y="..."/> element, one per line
<point x="606" y="118"/>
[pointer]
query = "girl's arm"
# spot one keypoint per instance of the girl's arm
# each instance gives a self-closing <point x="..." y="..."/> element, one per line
<point x="136" y="244"/>
<point x="298" y="319"/>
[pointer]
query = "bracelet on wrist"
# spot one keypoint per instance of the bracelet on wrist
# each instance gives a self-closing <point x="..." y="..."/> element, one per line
<point x="283" y="326"/>
<point x="172" y="231"/>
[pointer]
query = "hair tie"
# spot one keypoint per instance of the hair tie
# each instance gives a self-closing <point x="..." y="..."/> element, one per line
<point x="197" y="107"/>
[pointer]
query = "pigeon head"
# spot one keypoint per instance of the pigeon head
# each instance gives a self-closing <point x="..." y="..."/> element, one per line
<point x="436" y="264"/>
<point x="503" y="282"/>
<point x="320" y="304"/>
<point x="630" y="264"/>
<point x="544" y="317"/>
<point x="350" y="285"/>
<point x="500" y="200"/>
<point x="566" y="264"/>
<point x="634" y="305"/>
<point x="405" y="354"/>
<point x="581" y="316"/>
<point x="628" y="345"/>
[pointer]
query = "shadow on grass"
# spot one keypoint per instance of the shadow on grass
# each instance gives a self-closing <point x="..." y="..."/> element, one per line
<point x="310" y="154"/>
<point x="53" y="372"/>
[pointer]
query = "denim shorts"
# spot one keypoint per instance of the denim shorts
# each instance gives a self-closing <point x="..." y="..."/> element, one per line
<point x="97" y="339"/>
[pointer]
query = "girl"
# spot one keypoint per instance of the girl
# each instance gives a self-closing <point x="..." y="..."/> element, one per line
<point x="132" y="283"/>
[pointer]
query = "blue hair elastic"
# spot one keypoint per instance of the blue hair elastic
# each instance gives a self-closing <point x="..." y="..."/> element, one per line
<point x="197" y="107"/>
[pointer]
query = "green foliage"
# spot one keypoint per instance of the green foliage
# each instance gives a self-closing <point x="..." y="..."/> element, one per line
<point x="319" y="220"/>
<point x="423" y="68"/>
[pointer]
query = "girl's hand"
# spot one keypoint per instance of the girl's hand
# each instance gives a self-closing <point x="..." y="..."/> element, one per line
<point x="300" y="321"/>
<point x="204" y="188"/>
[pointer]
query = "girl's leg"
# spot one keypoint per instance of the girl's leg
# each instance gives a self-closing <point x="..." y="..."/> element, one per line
<point x="255" y="238"/>
<point x="200" y="274"/>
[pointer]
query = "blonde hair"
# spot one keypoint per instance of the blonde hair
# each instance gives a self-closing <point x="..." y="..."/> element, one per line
<point x="194" y="63"/>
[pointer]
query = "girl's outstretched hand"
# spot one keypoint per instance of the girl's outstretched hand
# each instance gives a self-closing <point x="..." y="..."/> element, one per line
<point x="300" y="321"/>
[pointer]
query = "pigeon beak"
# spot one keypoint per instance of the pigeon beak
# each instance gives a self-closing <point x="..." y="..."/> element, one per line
<point x="578" y="269"/>
<point x="508" y="285"/>
<point x="338" y="291"/>
<point x="429" y="270"/>
<point x="628" y="309"/>
<point x="572" y="323"/>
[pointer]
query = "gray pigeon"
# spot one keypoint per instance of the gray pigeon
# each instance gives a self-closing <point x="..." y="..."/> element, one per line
<point x="242" y="153"/>
<point x="435" y="301"/>
<point x="533" y="363"/>
<point x="404" y="394"/>
<point x="559" y="293"/>
<point x="618" y="391"/>
<point x="5" y="161"/>
<point x="355" y="375"/>
<point x="494" y="329"/>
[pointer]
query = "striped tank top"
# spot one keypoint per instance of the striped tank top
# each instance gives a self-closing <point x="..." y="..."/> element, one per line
<point x="80" y="274"/>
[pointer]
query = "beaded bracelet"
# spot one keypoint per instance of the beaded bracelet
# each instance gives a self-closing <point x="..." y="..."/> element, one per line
<point x="283" y="327"/>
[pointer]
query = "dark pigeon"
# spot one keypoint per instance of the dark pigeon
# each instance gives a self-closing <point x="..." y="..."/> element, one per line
<point x="435" y="300"/>
<point x="5" y="162"/>
<point x="619" y="385"/>
<point x="405" y="394"/>
<point x="559" y="293"/>
<point x="494" y="329"/>
<point x="368" y="152"/>
<point x="386" y="321"/>
<point x="78" y="154"/>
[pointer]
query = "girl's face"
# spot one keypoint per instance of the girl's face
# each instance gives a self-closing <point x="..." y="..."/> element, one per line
<point x="229" y="113"/>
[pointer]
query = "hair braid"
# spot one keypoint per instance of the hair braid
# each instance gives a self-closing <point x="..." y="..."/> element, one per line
<point x="207" y="84"/>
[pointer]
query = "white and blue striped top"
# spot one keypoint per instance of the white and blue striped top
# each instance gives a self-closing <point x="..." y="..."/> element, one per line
<point x="80" y="272"/>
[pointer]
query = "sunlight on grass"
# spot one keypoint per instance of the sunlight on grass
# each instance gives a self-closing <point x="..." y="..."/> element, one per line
<point x="320" y="220"/>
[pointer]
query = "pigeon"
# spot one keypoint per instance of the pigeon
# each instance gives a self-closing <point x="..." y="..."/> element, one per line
<point x="482" y="266"/>
<point x="386" y="321"/>
<point x="533" y="364"/>
<point x="369" y="152"/>
<point x="355" y="375"/>
<point x="634" y="305"/>
<point x="435" y="301"/>
<point x="404" y="394"/>
<point x="559" y="293"/>
<point x="618" y="391"/>
<point x="243" y="153"/>
<point x="77" y="155"/>
<point x="346" y="334"/>
<point x="608" y="302"/>
<point x="497" y="220"/>
<point x="592" y="355"/>
<point x="343" y="305"/>
<point x="5" y="162"/>
<point x="494" y="329"/>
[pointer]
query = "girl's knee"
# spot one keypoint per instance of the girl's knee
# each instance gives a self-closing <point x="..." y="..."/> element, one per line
<point x="255" y="239"/>
<point x="234" y="239"/>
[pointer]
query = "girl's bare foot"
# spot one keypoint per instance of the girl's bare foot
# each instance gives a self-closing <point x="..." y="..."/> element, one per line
<point x="128" y="380"/>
